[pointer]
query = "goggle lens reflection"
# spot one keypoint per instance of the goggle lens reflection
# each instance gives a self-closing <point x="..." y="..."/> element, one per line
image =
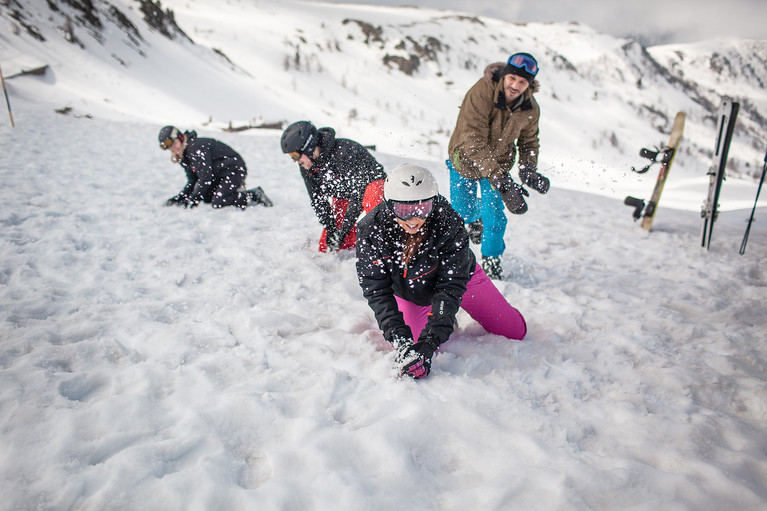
<point x="524" y="61"/>
<point x="405" y="211"/>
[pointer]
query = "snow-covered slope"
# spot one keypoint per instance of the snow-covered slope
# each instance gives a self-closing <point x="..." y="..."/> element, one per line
<point x="117" y="64"/>
<point x="393" y="77"/>
<point x="160" y="358"/>
<point x="167" y="359"/>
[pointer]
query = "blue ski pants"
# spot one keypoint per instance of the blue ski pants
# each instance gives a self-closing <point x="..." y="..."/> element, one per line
<point x="488" y="207"/>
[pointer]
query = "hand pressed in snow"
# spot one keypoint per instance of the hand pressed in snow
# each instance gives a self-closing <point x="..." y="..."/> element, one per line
<point x="416" y="359"/>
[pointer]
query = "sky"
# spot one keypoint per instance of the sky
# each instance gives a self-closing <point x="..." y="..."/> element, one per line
<point x="651" y="21"/>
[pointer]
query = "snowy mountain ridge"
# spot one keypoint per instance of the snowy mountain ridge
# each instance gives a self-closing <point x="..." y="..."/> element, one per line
<point x="240" y="64"/>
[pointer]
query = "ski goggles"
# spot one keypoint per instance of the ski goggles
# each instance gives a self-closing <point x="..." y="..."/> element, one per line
<point x="166" y="144"/>
<point x="407" y="210"/>
<point x="295" y="155"/>
<point x="523" y="60"/>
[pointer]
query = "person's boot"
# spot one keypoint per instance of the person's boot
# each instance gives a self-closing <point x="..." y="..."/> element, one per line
<point x="475" y="231"/>
<point x="492" y="267"/>
<point x="257" y="196"/>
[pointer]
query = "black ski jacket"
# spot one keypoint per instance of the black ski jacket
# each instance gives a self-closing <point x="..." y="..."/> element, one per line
<point x="437" y="275"/>
<point x="343" y="171"/>
<point x="206" y="162"/>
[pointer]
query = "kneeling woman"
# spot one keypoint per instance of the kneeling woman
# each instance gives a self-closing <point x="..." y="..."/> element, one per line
<point x="416" y="269"/>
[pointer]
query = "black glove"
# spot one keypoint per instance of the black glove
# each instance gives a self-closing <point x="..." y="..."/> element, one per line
<point x="512" y="194"/>
<point x="335" y="239"/>
<point x="181" y="199"/>
<point x="257" y="196"/>
<point x="475" y="231"/>
<point x="530" y="176"/>
<point x="417" y="358"/>
<point x="402" y="345"/>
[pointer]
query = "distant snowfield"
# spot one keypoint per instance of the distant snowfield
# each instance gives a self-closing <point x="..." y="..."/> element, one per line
<point x="162" y="358"/>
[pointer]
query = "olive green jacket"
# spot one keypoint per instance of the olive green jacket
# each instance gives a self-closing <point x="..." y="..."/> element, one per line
<point x="488" y="134"/>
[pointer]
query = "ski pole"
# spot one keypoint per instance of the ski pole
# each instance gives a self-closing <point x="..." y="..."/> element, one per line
<point x="748" y="229"/>
<point x="7" y="102"/>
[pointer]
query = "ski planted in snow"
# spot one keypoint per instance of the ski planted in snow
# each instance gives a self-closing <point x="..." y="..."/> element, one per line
<point x="725" y="127"/>
<point x="663" y="156"/>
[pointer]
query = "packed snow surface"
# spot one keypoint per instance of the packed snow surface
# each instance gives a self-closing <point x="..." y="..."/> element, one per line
<point x="164" y="358"/>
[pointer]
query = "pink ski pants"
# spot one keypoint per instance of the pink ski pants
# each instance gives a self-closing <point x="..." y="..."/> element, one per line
<point x="482" y="301"/>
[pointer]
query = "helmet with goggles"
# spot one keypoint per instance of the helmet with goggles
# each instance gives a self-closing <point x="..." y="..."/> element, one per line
<point x="409" y="191"/>
<point x="167" y="135"/>
<point x="299" y="138"/>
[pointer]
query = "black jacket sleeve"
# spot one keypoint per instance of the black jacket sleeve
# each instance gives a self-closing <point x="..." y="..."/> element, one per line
<point x="319" y="199"/>
<point x="352" y="213"/>
<point x="376" y="281"/>
<point x="201" y="160"/>
<point x="361" y="169"/>
<point x="456" y="266"/>
<point x="191" y="180"/>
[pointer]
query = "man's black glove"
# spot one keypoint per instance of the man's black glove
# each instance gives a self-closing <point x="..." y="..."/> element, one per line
<point x="530" y="176"/>
<point x="512" y="194"/>
<point x="335" y="239"/>
<point x="417" y="358"/>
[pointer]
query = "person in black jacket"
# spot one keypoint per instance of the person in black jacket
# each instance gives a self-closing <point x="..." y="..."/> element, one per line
<point x="342" y="178"/>
<point x="416" y="270"/>
<point x="215" y="173"/>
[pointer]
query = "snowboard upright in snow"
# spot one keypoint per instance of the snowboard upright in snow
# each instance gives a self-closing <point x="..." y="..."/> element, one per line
<point x="665" y="157"/>
<point x="725" y="126"/>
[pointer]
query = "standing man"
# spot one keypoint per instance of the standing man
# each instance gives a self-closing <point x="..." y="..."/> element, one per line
<point x="342" y="178"/>
<point x="215" y="173"/>
<point x="498" y="121"/>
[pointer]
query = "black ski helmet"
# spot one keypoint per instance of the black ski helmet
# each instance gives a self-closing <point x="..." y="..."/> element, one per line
<point x="169" y="133"/>
<point x="300" y="137"/>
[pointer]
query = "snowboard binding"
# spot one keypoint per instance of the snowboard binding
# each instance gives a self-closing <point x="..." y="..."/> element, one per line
<point x="637" y="204"/>
<point x="657" y="156"/>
